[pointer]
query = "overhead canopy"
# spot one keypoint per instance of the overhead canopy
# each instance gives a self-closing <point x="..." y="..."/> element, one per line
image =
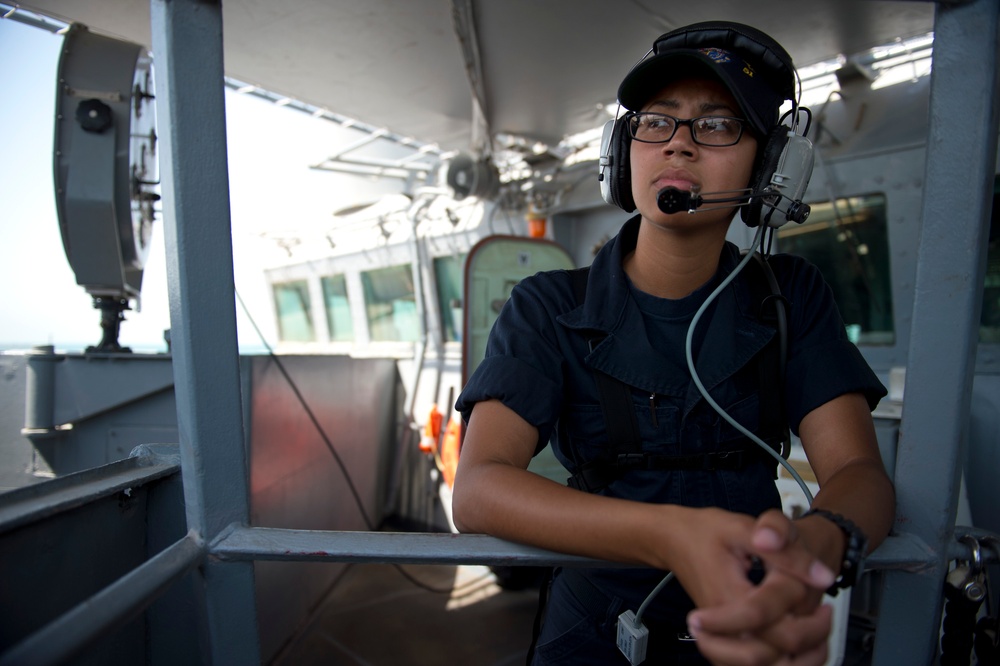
<point x="543" y="69"/>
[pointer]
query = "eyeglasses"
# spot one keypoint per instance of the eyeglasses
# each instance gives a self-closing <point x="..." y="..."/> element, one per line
<point x="650" y="127"/>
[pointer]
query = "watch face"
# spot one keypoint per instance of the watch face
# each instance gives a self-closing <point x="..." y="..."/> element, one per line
<point x="144" y="175"/>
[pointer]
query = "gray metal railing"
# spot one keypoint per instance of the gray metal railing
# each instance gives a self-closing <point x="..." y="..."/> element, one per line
<point x="70" y="634"/>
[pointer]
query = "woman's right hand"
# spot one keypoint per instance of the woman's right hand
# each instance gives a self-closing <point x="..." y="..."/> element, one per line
<point x="737" y="621"/>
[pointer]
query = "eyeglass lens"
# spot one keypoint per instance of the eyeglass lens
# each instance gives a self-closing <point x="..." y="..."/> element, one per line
<point x="707" y="130"/>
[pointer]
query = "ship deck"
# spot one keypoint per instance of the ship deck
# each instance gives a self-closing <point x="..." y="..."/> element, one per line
<point x="418" y="615"/>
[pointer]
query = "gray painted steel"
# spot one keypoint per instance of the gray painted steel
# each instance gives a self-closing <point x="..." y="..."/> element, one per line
<point x="390" y="46"/>
<point x="86" y="410"/>
<point x="320" y="426"/>
<point x="404" y="548"/>
<point x="949" y="281"/>
<point x="905" y="552"/>
<point x="187" y="48"/>
<point x="34" y="503"/>
<point x="106" y="611"/>
<point x="95" y="525"/>
<point x="168" y="632"/>
<point x="74" y="536"/>
<point x="18" y="455"/>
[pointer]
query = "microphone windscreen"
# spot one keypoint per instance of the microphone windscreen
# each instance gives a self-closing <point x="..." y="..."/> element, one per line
<point x="671" y="200"/>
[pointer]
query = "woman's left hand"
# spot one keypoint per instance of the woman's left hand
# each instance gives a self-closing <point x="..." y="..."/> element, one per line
<point x="779" y="621"/>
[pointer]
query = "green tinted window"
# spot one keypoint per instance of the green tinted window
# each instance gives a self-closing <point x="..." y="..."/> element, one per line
<point x="338" y="309"/>
<point x="295" y="322"/>
<point x="848" y="242"/>
<point x="390" y="304"/>
<point x="448" y="275"/>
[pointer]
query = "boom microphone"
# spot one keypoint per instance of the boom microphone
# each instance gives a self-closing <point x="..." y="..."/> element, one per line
<point x="672" y="200"/>
<point x="783" y="193"/>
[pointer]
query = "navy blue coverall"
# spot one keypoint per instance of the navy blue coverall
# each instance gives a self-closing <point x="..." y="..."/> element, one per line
<point x="540" y="364"/>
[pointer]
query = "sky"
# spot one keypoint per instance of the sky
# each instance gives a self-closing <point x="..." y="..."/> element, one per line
<point x="271" y="187"/>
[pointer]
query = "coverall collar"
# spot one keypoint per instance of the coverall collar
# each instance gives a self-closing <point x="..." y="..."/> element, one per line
<point x="731" y="336"/>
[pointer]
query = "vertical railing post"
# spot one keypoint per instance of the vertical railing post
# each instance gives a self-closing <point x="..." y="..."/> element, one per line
<point x="188" y="68"/>
<point x="958" y="187"/>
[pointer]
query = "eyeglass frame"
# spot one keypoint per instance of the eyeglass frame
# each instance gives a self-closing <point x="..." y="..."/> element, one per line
<point x="678" y="122"/>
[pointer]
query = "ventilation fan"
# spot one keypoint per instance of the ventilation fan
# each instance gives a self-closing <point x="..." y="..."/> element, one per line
<point x="468" y="177"/>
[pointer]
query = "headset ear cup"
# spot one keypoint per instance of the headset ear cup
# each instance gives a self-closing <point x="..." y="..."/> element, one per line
<point x="768" y="160"/>
<point x="607" y="158"/>
<point x="620" y="172"/>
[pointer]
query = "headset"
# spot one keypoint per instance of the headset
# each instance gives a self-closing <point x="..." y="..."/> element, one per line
<point x="785" y="158"/>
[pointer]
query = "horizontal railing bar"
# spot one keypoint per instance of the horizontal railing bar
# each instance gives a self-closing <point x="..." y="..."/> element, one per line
<point x="264" y="543"/>
<point x="906" y="551"/>
<point x="33" y="503"/>
<point x="71" y="633"/>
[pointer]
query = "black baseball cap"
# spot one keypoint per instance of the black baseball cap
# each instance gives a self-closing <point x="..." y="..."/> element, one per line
<point x="755" y="68"/>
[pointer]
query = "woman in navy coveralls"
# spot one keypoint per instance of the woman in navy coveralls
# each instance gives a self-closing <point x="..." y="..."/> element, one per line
<point x="536" y="385"/>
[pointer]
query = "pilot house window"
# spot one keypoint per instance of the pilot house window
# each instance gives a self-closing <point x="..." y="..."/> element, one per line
<point x="295" y="322"/>
<point x="338" y="308"/>
<point x="390" y="304"/>
<point x="848" y="241"/>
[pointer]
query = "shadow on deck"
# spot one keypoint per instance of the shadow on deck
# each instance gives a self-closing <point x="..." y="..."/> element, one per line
<point x="418" y="615"/>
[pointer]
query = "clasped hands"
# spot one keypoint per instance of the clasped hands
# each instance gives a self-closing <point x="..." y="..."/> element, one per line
<point x="780" y="620"/>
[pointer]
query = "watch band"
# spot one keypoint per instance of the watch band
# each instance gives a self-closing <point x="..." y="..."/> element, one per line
<point x="855" y="550"/>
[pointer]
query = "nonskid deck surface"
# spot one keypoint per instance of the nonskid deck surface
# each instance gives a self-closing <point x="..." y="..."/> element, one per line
<point x="416" y="615"/>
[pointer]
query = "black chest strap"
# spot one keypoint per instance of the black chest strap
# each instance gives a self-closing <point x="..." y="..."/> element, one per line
<point x="772" y="309"/>
<point x="618" y="411"/>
